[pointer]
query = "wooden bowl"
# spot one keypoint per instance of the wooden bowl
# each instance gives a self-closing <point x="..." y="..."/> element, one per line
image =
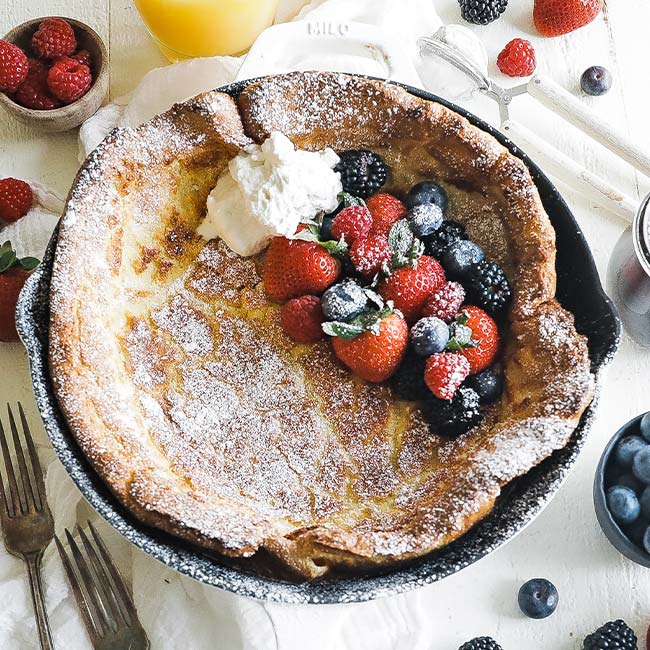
<point x="71" y="115"/>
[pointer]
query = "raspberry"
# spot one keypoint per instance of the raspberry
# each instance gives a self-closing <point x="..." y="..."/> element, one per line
<point x="445" y="303"/>
<point x="16" y="199"/>
<point x="517" y="59"/>
<point x="445" y="372"/>
<point x="369" y="254"/>
<point x="352" y="223"/>
<point x="13" y="66"/>
<point x="385" y="210"/>
<point x="301" y="319"/>
<point x="83" y="56"/>
<point x="54" y="38"/>
<point x="68" y="80"/>
<point x="33" y="92"/>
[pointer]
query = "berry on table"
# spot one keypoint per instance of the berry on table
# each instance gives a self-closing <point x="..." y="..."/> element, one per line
<point x="488" y="385"/>
<point x="369" y="254"/>
<point x="302" y="319"/>
<point x="16" y="199"/>
<point x="343" y="301"/>
<point x="13" y="66"/>
<point x="33" y="92"/>
<point x="627" y="448"/>
<point x="448" y="233"/>
<point x="408" y="380"/>
<point x="427" y="192"/>
<point x="557" y="17"/>
<point x="517" y="59"/>
<point x="362" y="172"/>
<point x="452" y="417"/>
<point x="641" y="465"/>
<point x="294" y="267"/>
<point x="351" y="223"/>
<point x="68" y="80"/>
<point x="459" y="258"/>
<point x="445" y="302"/>
<point x="424" y="219"/>
<point x="444" y="373"/>
<point x="429" y="336"/>
<point x="54" y="38"/>
<point x="410" y="287"/>
<point x="615" y="635"/>
<point x="482" y="12"/>
<point x="623" y="504"/>
<point x="644" y="427"/>
<point x="596" y="80"/>
<point x="386" y="210"/>
<point x="489" y="287"/>
<point x="538" y="598"/>
<point x="481" y="643"/>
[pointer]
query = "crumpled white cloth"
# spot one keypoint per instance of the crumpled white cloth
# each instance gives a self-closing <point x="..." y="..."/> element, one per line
<point x="177" y="612"/>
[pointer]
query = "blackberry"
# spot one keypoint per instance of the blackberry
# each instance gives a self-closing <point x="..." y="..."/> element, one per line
<point x="448" y="233"/>
<point x="408" y="380"/>
<point x="362" y="172"/>
<point x="489" y="287"/>
<point x="481" y="643"/>
<point x="453" y="417"/>
<point x="482" y="12"/>
<point x="615" y="635"/>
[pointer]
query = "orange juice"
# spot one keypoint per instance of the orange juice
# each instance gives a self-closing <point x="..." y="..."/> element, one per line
<point x="189" y="28"/>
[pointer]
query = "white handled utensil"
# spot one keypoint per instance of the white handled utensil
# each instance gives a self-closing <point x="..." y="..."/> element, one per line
<point x="566" y="106"/>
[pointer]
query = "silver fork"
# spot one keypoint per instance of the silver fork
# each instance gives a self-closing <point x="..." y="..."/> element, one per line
<point x="106" y="605"/>
<point x="27" y="526"/>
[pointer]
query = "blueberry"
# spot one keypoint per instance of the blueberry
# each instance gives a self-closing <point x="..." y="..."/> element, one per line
<point x="596" y="80"/>
<point x="343" y="301"/>
<point x="429" y="336"/>
<point x="424" y="219"/>
<point x="538" y="598"/>
<point x="623" y="504"/>
<point x="644" y="427"/>
<point x="488" y="384"/>
<point x="427" y="192"/>
<point x="627" y="448"/>
<point x="641" y="465"/>
<point x="646" y="540"/>
<point x="459" y="258"/>
<point x="644" y="500"/>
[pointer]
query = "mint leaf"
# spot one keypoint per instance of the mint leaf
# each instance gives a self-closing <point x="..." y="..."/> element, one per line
<point x="5" y="248"/>
<point x="348" y="200"/>
<point x="7" y="260"/>
<point x="335" y="247"/>
<point x="374" y="297"/>
<point x="28" y="263"/>
<point x="400" y="237"/>
<point x="346" y="331"/>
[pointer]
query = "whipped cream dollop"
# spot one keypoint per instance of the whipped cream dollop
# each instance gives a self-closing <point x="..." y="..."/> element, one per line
<point x="268" y="190"/>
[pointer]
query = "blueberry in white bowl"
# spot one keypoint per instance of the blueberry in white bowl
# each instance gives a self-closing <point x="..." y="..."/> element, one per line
<point x="622" y="491"/>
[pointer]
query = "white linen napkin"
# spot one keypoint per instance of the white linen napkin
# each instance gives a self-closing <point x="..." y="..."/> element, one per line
<point x="177" y="612"/>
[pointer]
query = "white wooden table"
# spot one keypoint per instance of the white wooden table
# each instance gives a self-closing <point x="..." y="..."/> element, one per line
<point x="564" y="544"/>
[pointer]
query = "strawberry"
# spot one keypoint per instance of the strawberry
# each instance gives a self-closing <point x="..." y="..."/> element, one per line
<point x="517" y="59"/>
<point x="16" y="199"/>
<point x="445" y="372"/>
<point x="375" y="353"/>
<point x="445" y="303"/>
<point x="13" y="273"/>
<point x="294" y="267"/>
<point x="385" y="210"/>
<point x="557" y="17"/>
<point x="302" y="319"/>
<point x="485" y="335"/>
<point x="369" y="254"/>
<point x="352" y="223"/>
<point x="410" y="287"/>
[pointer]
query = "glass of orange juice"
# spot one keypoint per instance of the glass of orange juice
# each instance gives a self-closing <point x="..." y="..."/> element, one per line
<point x="191" y="28"/>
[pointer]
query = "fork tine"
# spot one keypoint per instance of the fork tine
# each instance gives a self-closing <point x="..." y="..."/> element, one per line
<point x="122" y="594"/>
<point x="11" y="476"/>
<point x="30" y="502"/>
<point x="79" y="595"/>
<point x="36" y="465"/>
<point x="110" y="595"/>
<point x="88" y="582"/>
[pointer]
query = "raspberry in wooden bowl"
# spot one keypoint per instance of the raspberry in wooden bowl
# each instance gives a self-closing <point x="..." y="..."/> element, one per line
<point x="66" y="78"/>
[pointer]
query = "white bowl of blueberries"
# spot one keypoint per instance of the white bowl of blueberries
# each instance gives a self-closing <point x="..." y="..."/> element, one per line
<point x="622" y="490"/>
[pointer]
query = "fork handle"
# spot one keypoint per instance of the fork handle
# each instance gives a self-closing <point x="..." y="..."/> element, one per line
<point x="33" y="561"/>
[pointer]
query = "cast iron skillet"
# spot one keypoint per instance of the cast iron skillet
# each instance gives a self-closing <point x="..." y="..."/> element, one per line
<point x="578" y="289"/>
